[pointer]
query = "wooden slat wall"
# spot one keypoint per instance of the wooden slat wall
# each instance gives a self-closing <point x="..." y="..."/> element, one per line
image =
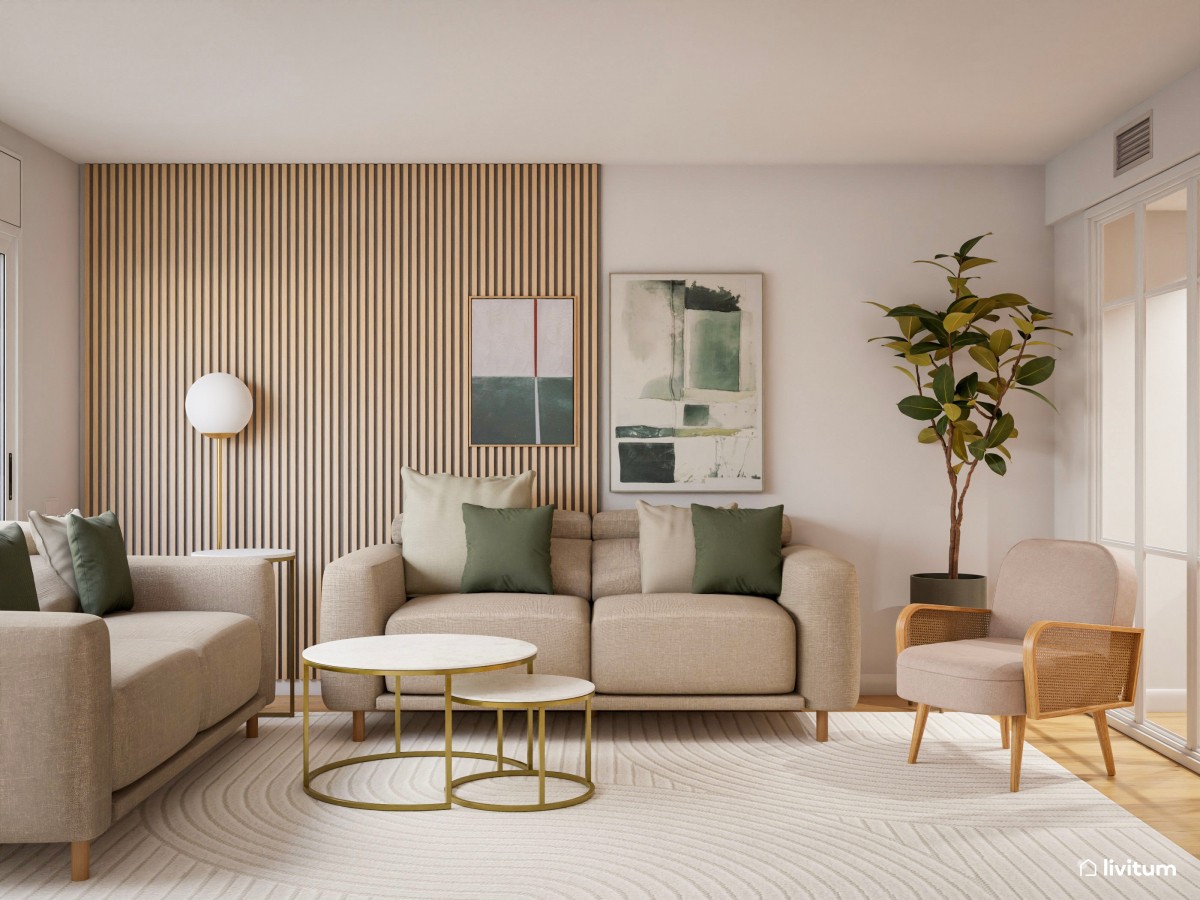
<point x="338" y="293"/>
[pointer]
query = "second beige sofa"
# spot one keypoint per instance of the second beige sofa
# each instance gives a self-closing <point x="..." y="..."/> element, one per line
<point x="643" y="651"/>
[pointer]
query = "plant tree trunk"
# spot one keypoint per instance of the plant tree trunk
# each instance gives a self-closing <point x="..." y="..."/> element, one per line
<point x="955" y="535"/>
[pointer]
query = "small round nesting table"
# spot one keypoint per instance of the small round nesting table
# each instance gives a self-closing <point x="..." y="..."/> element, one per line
<point x="401" y="655"/>
<point x="503" y="691"/>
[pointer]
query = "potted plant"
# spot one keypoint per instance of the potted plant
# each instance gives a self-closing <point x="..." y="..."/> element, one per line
<point x="967" y="363"/>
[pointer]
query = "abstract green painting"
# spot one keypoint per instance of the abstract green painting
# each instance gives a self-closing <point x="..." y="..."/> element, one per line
<point x="686" y="382"/>
<point x="522" y="370"/>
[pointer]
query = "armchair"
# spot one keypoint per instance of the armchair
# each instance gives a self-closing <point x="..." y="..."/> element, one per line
<point x="1013" y="662"/>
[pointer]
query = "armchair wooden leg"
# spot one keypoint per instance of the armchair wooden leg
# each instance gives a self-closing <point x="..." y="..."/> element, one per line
<point x="822" y="725"/>
<point x="359" y="729"/>
<point x="1005" y="726"/>
<point x="1018" y="745"/>
<point x="81" y="860"/>
<point x="1100" y="719"/>
<point x="918" y="731"/>
<point x="252" y="727"/>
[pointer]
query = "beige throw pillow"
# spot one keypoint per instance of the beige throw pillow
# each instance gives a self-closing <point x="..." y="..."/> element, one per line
<point x="50" y="536"/>
<point x="667" y="546"/>
<point x="434" y="536"/>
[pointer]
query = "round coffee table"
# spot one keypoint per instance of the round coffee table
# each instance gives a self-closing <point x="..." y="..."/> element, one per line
<point x="410" y="654"/>
<point x="502" y="691"/>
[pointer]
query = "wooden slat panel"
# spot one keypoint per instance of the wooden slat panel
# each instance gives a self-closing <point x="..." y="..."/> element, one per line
<point x="338" y="294"/>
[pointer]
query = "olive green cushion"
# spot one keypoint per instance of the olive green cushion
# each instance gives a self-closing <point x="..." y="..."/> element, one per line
<point x="18" y="593"/>
<point x="508" y="550"/>
<point x="101" y="565"/>
<point x="737" y="551"/>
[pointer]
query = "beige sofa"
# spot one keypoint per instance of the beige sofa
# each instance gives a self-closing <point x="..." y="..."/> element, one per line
<point x="97" y="714"/>
<point x="643" y="651"/>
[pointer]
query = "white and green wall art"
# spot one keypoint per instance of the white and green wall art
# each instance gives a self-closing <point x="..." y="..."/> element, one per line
<point x="686" y="382"/>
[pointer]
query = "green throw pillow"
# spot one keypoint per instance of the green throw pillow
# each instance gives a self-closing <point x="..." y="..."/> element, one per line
<point x="101" y="566"/>
<point x="18" y="593"/>
<point x="508" y="550"/>
<point x="737" y="551"/>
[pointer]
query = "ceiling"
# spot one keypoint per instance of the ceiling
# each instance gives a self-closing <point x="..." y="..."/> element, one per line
<point x="610" y="81"/>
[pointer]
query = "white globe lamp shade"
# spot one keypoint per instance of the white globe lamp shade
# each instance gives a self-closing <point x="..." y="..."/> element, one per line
<point x="219" y="404"/>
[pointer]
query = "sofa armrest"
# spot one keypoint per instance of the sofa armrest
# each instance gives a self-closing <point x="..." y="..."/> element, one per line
<point x="245" y="586"/>
<point x="930" y="623"/>
<point x="55" y="727"/>
<point x="1074" y="668"/>
<point x="820" y="591"/>
<point x="359" y="593"/>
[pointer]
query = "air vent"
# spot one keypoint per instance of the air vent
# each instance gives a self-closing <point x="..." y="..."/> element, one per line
<point x="1133" y="144"/>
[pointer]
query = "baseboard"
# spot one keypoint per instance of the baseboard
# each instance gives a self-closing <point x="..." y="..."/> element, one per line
<point x="314" y="688"/>
<point x="877" y="684"/>
<point x="1166" y="700"/>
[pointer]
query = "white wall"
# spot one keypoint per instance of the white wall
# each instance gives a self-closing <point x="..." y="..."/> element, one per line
<point x="47" y="459"/>
<point x="839" y="455"/>
<point x="1082" y="175"/>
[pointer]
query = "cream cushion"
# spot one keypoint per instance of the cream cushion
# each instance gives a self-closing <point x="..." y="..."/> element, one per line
<point x="54" y="595"/>
<point x="156" y="698"/>
<point x="667" y="547"/>
<point x="225" y="644"/>
<point x="50" y="537"/>
<point x="692" y="644"/>
<point x="433" y="533"/>
<point x="984" y="675"/>
<point x="557" y="625"/>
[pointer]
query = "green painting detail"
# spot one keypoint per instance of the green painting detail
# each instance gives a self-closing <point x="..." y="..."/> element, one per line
<point x="716" y="299"/>
<point x="646" y="463"/>
<point x="695" y="414"/>
<point x="556" y="397"/>
<point x="714" y="357"/>
<point x="644" y="431"/>
<point x="502" y="410"/>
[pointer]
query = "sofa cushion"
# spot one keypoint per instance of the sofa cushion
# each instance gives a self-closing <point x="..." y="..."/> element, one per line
<point x="18" y="591"/>
<point x="54" y="594"/>
<point x="984" y="675"/>
<point x="226" y="646"/>
<point x="50" y="536"/>
<point x="556" y="624"/>
<point x="667" y="547"/>
<point x="615" y="524"/>
<point x="507" y="549"/>
<point x="616" y="567"/>
<point x="692" y="644"/>
<point x="737" y="551"/>
<point x="101" y="564"/>
<point x="156" y="703"/>
<point x="435" y="541"/>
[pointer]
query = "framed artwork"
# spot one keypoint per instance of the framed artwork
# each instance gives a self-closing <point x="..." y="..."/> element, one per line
<point x="523" y="378"/>
<point x="686" y="382"/>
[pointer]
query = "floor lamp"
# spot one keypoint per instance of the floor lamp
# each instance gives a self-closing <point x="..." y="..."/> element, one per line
<point x="219" y="405"/>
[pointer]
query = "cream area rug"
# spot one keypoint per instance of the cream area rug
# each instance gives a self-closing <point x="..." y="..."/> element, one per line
<point x="688" y="805"/>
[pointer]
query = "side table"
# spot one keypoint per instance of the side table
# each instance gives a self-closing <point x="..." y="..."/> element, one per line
<point x="273" y="555"/>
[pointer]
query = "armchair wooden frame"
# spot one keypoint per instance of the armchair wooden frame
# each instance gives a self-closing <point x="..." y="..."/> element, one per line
<point x="1069" y="667"/>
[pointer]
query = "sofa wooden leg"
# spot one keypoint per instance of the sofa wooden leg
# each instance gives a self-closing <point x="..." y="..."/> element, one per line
<point x="822" y="725"/>
<point x="359" y="729"/>
<point x="81" y="860"/>
<point x="1005" y="725"/>
<point x="918" y="731"/>
<point x="252" y="727"/>
<point x="1018" y="745"/>
<point x="1100" y="718"/>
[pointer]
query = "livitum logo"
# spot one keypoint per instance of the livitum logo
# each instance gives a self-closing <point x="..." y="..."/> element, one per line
<point x="1112" y="868"/>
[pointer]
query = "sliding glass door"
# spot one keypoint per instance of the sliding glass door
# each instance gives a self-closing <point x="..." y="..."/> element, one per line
<point x="1147" y="504"/>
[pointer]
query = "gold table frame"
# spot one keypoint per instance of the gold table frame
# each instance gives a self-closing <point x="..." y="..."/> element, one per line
<point x="527" y="771"/>
<point x="448" y="754"/>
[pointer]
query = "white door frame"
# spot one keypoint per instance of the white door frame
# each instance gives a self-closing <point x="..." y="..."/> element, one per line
<point x="1183" y="749"/>
<point x="10" y="426"/>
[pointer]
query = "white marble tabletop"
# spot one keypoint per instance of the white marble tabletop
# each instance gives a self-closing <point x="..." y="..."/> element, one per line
<point x="404" y="654"/>
<point x="272" y="553"/>
<point x="519" y="687"/>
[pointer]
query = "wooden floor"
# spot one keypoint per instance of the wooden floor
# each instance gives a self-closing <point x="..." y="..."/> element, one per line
<point x="1162" y="794"/>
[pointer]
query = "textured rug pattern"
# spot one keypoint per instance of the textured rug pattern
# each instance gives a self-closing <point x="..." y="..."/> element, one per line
<point x="687" y="805"/>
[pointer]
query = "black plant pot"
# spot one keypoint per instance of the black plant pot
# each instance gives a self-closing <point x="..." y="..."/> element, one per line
<point x="940" y="588"/>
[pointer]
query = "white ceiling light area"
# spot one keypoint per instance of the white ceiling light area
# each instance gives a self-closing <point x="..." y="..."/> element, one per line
<point x="610" y="81"/>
